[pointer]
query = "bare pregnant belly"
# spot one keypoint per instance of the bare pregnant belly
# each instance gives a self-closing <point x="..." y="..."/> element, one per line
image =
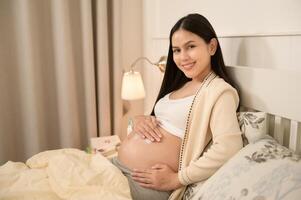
<point x="138" y="153"/>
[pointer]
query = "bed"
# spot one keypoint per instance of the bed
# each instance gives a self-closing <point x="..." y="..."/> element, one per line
<point x="269" y="165"/>
<point x="63" y="174"/>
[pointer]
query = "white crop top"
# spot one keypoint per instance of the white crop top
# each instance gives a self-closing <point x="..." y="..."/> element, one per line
<point x="173" y="113"/>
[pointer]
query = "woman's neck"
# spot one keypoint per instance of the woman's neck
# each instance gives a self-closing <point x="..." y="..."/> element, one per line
<point x="202" y="76"/>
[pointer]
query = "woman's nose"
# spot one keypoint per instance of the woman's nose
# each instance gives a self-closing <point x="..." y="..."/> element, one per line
<point x="184" y="55"/>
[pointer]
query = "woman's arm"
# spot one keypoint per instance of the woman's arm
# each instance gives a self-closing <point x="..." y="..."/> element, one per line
<point x="226" y="137"/>
<point x="227" y="141"/>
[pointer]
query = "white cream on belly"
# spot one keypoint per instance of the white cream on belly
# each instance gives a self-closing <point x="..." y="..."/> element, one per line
<point x="146" y="140"/>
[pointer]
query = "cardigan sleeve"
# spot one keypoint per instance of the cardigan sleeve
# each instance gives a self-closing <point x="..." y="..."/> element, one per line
<point x="226" y="136"/>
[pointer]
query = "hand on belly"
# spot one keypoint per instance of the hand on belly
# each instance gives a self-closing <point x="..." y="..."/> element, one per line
<point x="159" y="177"/>
<point x="136" y="152"/>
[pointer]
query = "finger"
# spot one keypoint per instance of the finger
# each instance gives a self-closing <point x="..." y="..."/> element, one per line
<point x="148" y="132"/>
<point x="157" y="166"/>
<point x="155" y="124"/>
<point x="150" y="124"/>
<point x="152" y="131"/>
<point x="148" y="127"/>
<point x="147" y="185"/>
<point x="154" y="121"/>
<point x="148" y="118"/>
<point x="154" y="135"/>
<point x="142" y="180"/>
<point x="141" y="135"/>
<point x="142" y="175"/>
<point x="142" y="171"/>
<point x="158" y="132"/>
<point x="155" y="129"/>
<point x="144" y="133"/>
<point x="139" y="131"/>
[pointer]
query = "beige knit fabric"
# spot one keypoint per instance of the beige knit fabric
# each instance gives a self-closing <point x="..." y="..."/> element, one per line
<point x="213" y="116"/>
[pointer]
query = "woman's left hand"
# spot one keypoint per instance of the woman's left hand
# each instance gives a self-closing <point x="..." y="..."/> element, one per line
<point x="159" y="177"/>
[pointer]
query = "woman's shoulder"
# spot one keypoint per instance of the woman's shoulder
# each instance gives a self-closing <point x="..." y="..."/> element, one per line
<point x="218" y="83"/>
<point x="218" y="86"/>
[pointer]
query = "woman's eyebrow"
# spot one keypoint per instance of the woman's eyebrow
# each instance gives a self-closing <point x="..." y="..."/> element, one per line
<point x="186" y="43"/>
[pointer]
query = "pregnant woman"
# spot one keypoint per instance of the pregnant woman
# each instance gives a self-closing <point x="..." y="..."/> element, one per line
<point x="193" y="128"/>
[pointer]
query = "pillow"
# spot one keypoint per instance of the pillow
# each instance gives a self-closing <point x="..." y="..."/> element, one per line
<point x="260" y="171"/>
<point x="253" y="126"/>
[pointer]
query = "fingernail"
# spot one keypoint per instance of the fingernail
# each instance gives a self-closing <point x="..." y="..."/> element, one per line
<point x="152" y="139"/>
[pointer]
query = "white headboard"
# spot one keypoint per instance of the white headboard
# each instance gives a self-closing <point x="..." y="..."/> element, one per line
<point x="276" y="92"/>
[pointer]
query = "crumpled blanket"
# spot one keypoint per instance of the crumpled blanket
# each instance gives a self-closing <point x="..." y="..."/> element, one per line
<point x="63" y="174"/>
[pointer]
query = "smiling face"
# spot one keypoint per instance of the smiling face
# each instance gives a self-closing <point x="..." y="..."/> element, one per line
<point x="192" y="54"/>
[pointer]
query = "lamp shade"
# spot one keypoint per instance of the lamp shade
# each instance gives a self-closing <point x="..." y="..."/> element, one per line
<point x="132" y="86"/>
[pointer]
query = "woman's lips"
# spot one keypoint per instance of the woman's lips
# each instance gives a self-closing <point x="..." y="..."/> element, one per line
<point x="188" y="65"/>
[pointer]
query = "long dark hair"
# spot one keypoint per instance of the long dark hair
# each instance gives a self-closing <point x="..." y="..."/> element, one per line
<point x="174" y="78"/>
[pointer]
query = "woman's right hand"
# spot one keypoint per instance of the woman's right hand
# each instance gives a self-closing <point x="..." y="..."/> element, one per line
<point x="147" y="127"/>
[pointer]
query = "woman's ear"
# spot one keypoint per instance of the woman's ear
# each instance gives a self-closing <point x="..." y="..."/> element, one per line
<point x="212" y="46"/>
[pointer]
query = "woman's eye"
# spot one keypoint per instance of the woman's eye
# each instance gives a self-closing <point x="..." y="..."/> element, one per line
<point x="191" y="46"/>
<point x="176" y="51"/>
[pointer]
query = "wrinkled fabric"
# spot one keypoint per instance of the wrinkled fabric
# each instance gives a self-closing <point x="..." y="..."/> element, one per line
<point x="63" y="174"/>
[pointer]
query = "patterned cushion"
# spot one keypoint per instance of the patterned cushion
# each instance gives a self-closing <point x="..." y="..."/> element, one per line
<point x="253" y="126"/>
<point x="260" y="171"/>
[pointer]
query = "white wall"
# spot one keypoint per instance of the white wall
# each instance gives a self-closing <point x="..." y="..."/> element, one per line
<point x="252" y="33"/>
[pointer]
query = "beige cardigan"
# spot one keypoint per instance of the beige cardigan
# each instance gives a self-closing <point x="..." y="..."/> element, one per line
<point x="213" y="116"/>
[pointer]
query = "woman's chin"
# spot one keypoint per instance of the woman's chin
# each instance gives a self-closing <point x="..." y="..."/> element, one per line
<point x="188" y="75"/>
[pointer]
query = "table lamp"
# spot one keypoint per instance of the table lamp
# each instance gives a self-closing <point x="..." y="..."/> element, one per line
<point x="132" y="84"/>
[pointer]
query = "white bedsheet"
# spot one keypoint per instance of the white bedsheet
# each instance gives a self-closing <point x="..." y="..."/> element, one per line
<point x="63" y="174"/>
